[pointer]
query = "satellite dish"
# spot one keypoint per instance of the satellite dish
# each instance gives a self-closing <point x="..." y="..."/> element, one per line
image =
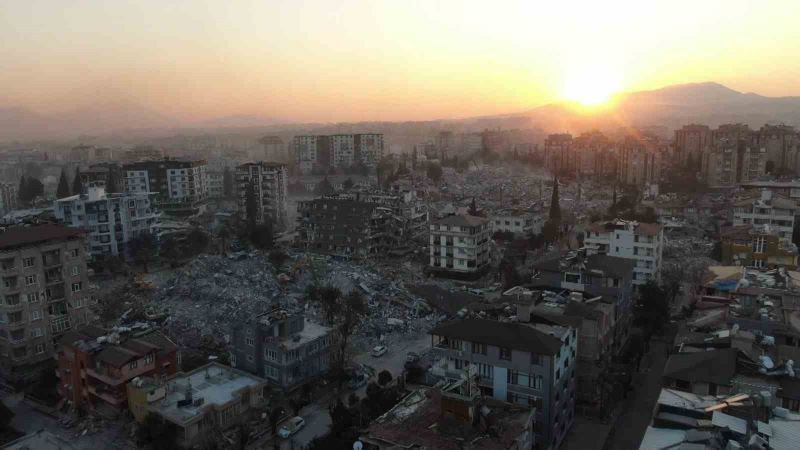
<point x="358" y="445"/>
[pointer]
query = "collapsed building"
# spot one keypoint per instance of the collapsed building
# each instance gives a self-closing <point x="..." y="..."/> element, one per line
<point x="361" y="224"/>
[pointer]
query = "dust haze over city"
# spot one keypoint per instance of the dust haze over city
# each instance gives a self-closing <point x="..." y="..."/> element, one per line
<point x="452" y="225"/>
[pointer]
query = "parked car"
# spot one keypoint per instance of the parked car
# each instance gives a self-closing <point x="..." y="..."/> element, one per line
<point x="412" y="357"/>
<point x="379" y="350"/>
<point x="291" y="427"/>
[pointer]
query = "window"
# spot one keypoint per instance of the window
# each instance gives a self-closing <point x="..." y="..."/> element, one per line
<point x="250" y="341"/>
<point x="485" y="371"/>
<point x="133" y="364"/>
<point x="250" y="358"/>
<point x="572" y="277"/>
<point x="479" y="348"/>
<point x="271" y="372"/>
<point x="505" y="353"/>
<point x="32" y="297"/>
<point x="76" y="270"/>
<point x="76" y="287"/>
<point x="12" y="300"/>
<point x="36" y="314"/>
<point x="272" y="355"/>
<point x="28" y="262"/>
<point x="30" y="280"/>
<point x="536" y="359"/>
<point x="36" y="332"/>
<point x="149" y="358"/>
<point x="75" y="252"/>
<point x="40" y="348"/>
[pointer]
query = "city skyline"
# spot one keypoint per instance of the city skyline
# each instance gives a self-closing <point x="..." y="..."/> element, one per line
<point x="316" y="62"/>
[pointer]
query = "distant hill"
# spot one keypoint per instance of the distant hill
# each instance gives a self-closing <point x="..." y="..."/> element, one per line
<point x="671" y="106"/>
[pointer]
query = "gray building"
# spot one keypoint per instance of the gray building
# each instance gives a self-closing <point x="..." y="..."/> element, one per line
<point x="529" y="364"/>
<point x="282" y="347"/>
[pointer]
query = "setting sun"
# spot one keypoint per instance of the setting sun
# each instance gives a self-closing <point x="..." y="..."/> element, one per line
<point x="591" y="86"/>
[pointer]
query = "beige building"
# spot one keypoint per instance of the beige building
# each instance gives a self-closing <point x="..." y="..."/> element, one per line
<point x="727" y="163"/>
<point x="459" y="245"/>
<point x="691" y="141"/>
<point x="45" y="293"/>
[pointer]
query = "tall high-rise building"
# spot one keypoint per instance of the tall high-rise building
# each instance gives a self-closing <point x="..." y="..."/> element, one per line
<point x="690" y="142"/>
<point x="274" y="148"/>
<point x="337" y="151"/>
<point x="179" y="185"/>
<point x="269" y="184"/>
<point x="45" y="293"/>
<point x="8" y="198"/>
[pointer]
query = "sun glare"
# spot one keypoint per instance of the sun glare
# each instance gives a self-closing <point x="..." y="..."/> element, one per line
<point x="591" y="86"/>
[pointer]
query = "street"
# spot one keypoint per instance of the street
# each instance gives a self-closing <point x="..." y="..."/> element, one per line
<point x="316" y="414"/>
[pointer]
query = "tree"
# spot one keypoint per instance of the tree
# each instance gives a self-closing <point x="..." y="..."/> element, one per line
<point x="511" y="276"/>
<point x="550" y="231"/>
<point x="251" y="207"/>
<point x="351" y="310"/>
<point x="328" y="299"/>
<point x="277" y="257"/>
<point x="384" y="378"/>
<point x="224" y="234"/>
<point x="473" y="208"/>
<point x="324" y="187"/>
<point x="143" y="249"/>
<point x="227" y="183"/>
<point x="274" y="417"/>
<point x="434" y="172"/>
<point x="348" y="183"/>
<point x="652" y="308"/>
<point x="21" y="190"/>
<point x="77" y="187"/>
<point x="341" y="419"/>
<point x="261" y="236"/>
<point x="196" y="242"/>
<point x="555" y="208"/>
<point x="112" y="183"/>
<point x="63" y="187"/>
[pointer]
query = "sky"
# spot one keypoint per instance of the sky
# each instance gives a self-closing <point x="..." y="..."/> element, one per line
<point x="351" y="60"/>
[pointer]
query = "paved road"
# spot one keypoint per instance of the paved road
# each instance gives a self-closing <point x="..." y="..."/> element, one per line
<point x="638" y="410"/>
<point x="316" y="415"/>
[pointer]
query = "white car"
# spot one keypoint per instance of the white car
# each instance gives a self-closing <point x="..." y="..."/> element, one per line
<point x="379" y="350"/>
<point x="291" y="427"/>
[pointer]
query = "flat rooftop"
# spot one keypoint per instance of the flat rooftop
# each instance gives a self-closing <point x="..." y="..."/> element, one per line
<point x="214" y="383"/>
<point x="311" y="332"/>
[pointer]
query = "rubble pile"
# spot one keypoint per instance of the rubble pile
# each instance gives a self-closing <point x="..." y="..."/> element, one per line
<point x="209" y="295"/>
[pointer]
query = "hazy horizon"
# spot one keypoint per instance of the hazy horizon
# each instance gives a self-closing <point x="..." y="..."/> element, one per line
<point x="353" y="60"/>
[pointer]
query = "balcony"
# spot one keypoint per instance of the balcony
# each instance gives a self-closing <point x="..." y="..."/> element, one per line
<point x="51" y="259"/>
<point x="105" y="376"/>
<point x="52" y="277"/>
<point x="109" y="396"/>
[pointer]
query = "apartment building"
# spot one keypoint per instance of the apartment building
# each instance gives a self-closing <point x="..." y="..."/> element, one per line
<point x="337" y="151"/>
<point x="284" y="347"/>
<point x="767" y="209"/>
<point x="641" y="242"/>
<point x="274" y="148"/>
<point x="691" y="141"/>
<point x="90" y="153"/>
<point x="45" y="293"/>
<point x="459" y="245"/>
<point x="109" y="174"/>
<point x="180" y="185"/>
<point x="519" y="222"/>
<point x="595" y="155"/>
<point x="95" y="365"/>
<point x="639" y="162"/>
<point x="215" y="183"/>
<point x="201" y="404"/>
<point x="528" y="364"/>
<point x="351" y="228"/>
<point x="8" y="198"/>
<point x="727" y="163"/>
<point x="559" y="154"/>
<point x="144" y="153"/>
<point x="757" y="246"/>
<point x="112" y="221"/>
<point x="268" y="182"/>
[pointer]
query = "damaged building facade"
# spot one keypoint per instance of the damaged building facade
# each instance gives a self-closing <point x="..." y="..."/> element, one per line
<point x="638" y="241"/>
<point x="179" y="185"/>
<point x="268" y="184"/>
<point x="459" y="245"/>
<point x="45" y="293"/>
<point x="285" y="348"/>
<point x="527" y="364"/>
<point x="361" y="224"/>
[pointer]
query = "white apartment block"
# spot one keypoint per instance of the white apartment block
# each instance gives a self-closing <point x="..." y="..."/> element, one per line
<point x="305" y="148"/>
<point x="520" y="223"/>
<point x="338" y="150"/>
<point x="369" y="148"/>
<point x="180" y="186"/>
<point x="111" y="220"/>
<point x="642" y="242"/>
<point x="270" y="182"/>
<point x="768" y="209"/>
<point x="459" y="244"/>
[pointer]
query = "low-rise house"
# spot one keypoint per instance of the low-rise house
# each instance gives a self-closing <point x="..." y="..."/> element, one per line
<point x="201" y="403"/>
<point x="640" y="242"/>
<point x="519" y="222"/>
<point x="757" y="246"/>
<point x="284" y="347"/>
<point x="767" y="209"/>
<point x="703" y="373"/>
<point x="527" y="364"/>
<point x="94" y="365"/>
